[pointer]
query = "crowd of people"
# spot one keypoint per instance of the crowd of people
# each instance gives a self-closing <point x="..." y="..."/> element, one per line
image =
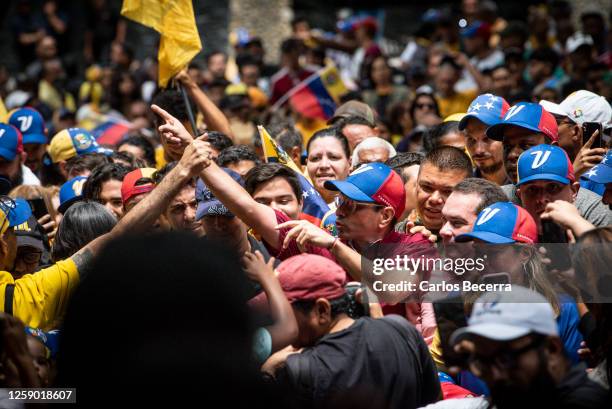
<point x="150" y="241"/>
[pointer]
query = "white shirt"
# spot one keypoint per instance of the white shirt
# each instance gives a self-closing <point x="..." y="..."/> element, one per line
<point x="29" y="178"/>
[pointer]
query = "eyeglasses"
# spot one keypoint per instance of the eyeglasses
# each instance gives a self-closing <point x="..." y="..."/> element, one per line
<point x="28" y="256"/>
<point x="505" y="360"/>
<point x="351" y="206"/>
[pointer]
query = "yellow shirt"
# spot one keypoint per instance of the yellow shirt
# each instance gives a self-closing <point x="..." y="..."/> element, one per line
<point x="40" y="299"/>
<point x="435" y="350"/>
<point x="459" y="102"/>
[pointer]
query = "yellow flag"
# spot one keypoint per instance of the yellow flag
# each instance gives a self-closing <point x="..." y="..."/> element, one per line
<point x="274" y="153"/>
<point x="3" y="112"/>
<point x="330" y="77"/>
<point x="175" y="22"/>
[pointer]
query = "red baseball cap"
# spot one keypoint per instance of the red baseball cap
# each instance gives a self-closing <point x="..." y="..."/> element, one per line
<point x="129" y="187"/>
<point x="307" y="277"/>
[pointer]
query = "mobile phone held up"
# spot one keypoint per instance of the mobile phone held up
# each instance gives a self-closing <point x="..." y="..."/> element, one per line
<point x="588" y="129"/>
<point x="39" y="208"/>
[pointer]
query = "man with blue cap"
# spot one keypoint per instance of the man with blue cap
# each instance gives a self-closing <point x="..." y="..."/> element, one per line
<point x="488" y="154"/>
<point x="32" y="126"/>
<point x="71" y="192"/>
<point x="12" y="158"/>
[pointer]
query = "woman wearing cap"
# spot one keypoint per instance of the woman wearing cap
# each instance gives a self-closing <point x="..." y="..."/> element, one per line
<point x="512" y="233"/>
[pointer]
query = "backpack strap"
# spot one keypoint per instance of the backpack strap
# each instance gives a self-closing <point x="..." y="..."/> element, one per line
<point x="9" y="290"/>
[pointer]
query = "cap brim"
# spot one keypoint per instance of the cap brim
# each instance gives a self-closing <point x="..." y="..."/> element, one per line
<point x="19" y="215"/>
<point x="464" y="121"/>
<point x="204" y="209"/>
<point x="64" y="206"/>
<point x="34" y="138"/>
<point x="493" y="331"/>
<point x="553" y="108"/>
<point x="544" y="176"/>
<point x="486" y="236"/>
<point x="496" y="132"/>
<point x="7" y="154"/>
<point x="25" y="240"/>
<point x="604" y="177"/>
<point x="348" y="189"/>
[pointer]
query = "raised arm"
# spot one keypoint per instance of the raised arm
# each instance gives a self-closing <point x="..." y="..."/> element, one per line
<point x="144" y="214"/>
<point x="256" y="215"/>
<point x="215" y="119"/>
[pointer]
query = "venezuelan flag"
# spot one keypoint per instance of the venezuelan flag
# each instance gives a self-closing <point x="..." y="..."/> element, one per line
<point x="318" y="95"/>
<point x="110" y="132"/>
<point x="314" y="208"/>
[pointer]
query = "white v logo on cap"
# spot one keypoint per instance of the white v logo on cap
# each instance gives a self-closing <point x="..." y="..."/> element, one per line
<point x="2" y="131"/>
<point x="487" y="214"/>
<point x="513" y="111"/>
<point x="540" y="158"/>
<point x="26" y="122"/>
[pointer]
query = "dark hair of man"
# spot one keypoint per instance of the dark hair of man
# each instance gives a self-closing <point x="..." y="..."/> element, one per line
<point x="333" y="132"/>
<point x="235" y="154"/>
<point x="213" y="53"/>
<point x="352" y="120"/>
<point x="101" y="175"/>
<point x="488" y="191"/>
<point x="291" y="45"/>
<point x="268" y="171"/>
<point x="172" y="102"/>
<point x="339" y="305"/>
<point x="88" y="162"/>
<point x="434" y="135"/>
<point x="289" y="138"/>
<point x="448" y="158"/>
<point x="161" y="173"/>
<point x="404" y="160"/>
<point x="142" y="143"/>
<point x="82" y="223"/>
<point x="244" y="60"/>
<point x="297" y="20"/>
<point x="128" y="160"/>
<point x="219" y="140"/>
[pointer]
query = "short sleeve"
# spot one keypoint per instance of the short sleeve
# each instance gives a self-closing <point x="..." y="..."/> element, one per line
<point x="40" y="299"/>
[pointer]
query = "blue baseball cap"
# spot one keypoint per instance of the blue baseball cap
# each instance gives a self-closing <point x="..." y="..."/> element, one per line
<point x="503" y="223"/>
<point x="373" y="183"/>
<point x="71" y="192"/>
<point x="545" y="162"/>
<point x="208" y="204"/>
<point x="14" y="211"/>
<point x="602" y="172"/>
<point x="10" y="142"/>
<point x="487" y="108"/>
<point x="31" y="124"/>
<point x="526" y="115"/>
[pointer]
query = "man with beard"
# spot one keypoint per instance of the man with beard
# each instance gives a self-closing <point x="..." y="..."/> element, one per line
<point x="514" y="346"/>
<point x="527" y="125"/>
<point x="488" y="155"/>
<point x="12" y="158"/>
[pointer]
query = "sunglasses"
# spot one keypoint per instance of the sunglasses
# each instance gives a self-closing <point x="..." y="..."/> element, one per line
<point x="351" y="206"/>
<point x="421" y="106"/>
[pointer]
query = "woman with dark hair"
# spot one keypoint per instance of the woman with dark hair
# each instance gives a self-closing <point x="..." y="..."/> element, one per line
<point x="424" y="113"/>
<point x="82" y="223"/>
<point x="384" y="92"/>
<point x="328" y="159"/>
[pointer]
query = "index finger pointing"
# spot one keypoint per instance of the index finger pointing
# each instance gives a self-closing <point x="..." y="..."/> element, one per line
<point x="290" y="223"/>
<point x="591" y="139"/>
<point x="161" y="112"/>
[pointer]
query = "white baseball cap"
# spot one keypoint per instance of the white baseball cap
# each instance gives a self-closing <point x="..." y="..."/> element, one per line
<point x="553" y="108"/>
<point x="576" y="41"/>
<point x="584" y="106"/>
<point x="504" y="316"/>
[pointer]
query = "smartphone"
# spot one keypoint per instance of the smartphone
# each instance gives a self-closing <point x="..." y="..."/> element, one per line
<point x="496" y="278"/>
<point x="588" y="129"/>
<point x="39" y="208"/>
<point x="555" y="241"/>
